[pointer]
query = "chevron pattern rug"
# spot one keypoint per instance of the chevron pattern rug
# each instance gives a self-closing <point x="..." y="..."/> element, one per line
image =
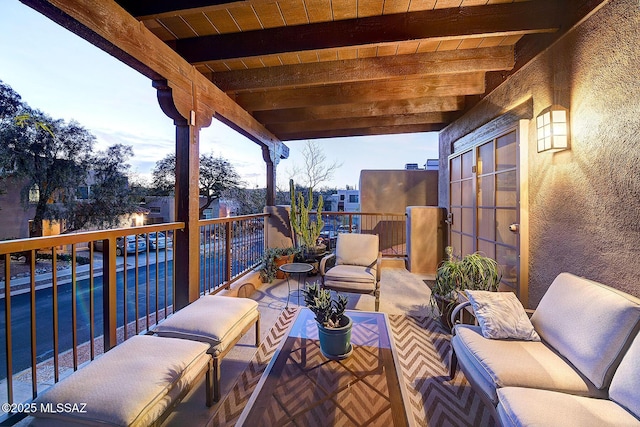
<point x="422" y="346"/>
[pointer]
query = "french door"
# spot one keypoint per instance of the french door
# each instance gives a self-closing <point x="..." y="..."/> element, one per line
<point x="484" y="204"/>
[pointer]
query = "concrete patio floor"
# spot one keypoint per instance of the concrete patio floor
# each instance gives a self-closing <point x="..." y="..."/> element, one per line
<point x="401" y="293"/>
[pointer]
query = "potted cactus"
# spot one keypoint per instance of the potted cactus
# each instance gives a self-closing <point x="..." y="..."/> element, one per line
<point x="334" y="327"/>
<point x="307" y="231"/>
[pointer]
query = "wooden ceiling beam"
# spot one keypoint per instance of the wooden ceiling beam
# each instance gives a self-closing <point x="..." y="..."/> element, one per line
<point x="359" y="123"/>
<point x="371" y="109"/>
<point x="507" y="19"/>
<point x="366" y="69"/>
<point x="359" y="92"/>
<point x="157" y="9"/>
<point x="377" y="130"/>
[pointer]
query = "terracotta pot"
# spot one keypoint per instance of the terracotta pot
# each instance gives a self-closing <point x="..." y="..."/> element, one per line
<point x="282" y="260"/>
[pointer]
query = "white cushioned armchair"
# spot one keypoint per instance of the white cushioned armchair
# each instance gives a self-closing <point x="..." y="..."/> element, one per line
<point x="357" y="266"/>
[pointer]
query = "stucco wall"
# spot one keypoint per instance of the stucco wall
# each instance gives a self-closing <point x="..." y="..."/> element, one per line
<point x="584" y="204"/>
<point x="14" y="219"/>
<point x="391" y="191"/>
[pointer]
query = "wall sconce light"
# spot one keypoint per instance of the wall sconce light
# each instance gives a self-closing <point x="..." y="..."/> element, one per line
<point x="553" y="129"/>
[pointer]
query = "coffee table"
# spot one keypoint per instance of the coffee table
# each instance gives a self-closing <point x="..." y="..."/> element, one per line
<point x="302" y="387"/>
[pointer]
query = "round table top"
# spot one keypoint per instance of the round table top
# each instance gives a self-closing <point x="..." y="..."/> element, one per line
<point x="296" y="267"/>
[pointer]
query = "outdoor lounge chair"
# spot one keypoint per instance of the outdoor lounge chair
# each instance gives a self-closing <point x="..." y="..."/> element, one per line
<point x="357" y="266"/>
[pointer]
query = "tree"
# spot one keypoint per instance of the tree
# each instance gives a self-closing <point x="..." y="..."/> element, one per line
<point x="53" y="159"/>
<point x="10" y="101"/>
<point x="216" y="175"/>
<point x="110" y="196"/>
<point x="50" y="156"/>
<point x="316" y="170"/>
<point x="249" y="200"/>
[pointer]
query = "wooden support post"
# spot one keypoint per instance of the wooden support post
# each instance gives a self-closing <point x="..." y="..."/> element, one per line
<point x="271" y="175"/>
<point x="186" y="259"/>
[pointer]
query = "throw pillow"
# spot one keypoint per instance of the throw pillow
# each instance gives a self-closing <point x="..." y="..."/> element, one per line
<point x="501" y="316"/>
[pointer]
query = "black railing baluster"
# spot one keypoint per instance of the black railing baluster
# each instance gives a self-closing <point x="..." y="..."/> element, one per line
<point x="74" y="308"/>
<point x="54" y="299"/>
<point x="32" y="305"/>
<point x="125" y="290"/>
<point x="109" y="294"/>
<point x="136" y="281"/>
<point x="7" y="323"/>
<point x="157" y="284"/>
<point x="166" y="270"/>
<point x="92" y="305"/>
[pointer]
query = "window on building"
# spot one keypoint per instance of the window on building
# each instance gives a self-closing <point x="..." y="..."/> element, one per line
<point x="82" y="193"/>
<point x="154" y="209"/>
<point x="342" y="197"/>
<point x="353" y="198"/>
<point x="34" y="194"/>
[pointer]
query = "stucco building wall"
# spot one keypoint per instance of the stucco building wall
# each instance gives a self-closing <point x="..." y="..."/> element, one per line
<point x="14" y="219"/>
<point x="391" y="191"/>
<point x="584" y="204"/>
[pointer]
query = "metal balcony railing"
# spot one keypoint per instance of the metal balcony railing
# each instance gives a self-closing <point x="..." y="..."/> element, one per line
<point x="70" y="295"/>
<point x="391" y="227"/>
<point x="61" y="294"/>
<point x="229" y="248"/>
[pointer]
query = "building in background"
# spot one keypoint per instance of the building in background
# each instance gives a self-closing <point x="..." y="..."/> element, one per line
<point x="343" y="201"/>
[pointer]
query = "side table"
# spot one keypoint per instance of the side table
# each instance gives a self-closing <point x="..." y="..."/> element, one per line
<point x="298" y="268"/>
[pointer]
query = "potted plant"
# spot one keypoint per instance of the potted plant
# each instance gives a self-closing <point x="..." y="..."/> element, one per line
<point x="334" y="327"/>
<point x="474" y="271"/>
<point x="272" y="259"/>
<point x="307" y="231"/>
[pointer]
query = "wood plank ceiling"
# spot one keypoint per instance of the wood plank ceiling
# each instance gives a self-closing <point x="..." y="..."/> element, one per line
<point x="327" y="68"/>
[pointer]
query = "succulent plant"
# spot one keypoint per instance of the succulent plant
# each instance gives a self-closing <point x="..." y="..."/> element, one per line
<point x="328" y="311"/>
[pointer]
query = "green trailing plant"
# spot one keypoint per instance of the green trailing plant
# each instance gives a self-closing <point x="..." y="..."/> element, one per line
<point x="474" y="271"/>
<point x="268" y="268"/>
<point x="306" y="230"/>
<point x="329" y="312"/>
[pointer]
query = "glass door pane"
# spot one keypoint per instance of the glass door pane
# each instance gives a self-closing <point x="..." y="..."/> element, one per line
<point x="484" y="203"/>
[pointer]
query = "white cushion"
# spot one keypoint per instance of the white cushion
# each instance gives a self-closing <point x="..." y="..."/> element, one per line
<point x="501" y="315"/>
<point x="625" y="385"/>
<point x="530" y="407"/>
<point x="588" y="323"/>
<point x="351" y="273"/>
<point x="504" y="363"/>
<point x="357" y="249"/>
<point x="132" y="384"/>
<point x="211" y="319"/>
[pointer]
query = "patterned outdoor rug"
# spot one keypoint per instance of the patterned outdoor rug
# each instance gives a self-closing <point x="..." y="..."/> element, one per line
<point x="422" y="346"/>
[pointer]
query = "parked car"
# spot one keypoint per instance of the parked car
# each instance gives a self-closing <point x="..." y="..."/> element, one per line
<point x="345" y="229"/>
<point x="328" y="236"/>
<point x="120" y="245"/>
<point x="158" y="240"/>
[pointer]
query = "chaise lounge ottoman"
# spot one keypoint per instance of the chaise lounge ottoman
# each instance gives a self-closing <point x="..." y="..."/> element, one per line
<point x="215" y="320"/>
<point x="136" y="383"/>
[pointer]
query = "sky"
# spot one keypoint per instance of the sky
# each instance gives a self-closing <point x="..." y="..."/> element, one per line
<point x="68" y="78"/>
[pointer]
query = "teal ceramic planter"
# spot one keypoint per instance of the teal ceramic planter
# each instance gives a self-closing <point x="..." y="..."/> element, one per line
<point x="335" y="343"/>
